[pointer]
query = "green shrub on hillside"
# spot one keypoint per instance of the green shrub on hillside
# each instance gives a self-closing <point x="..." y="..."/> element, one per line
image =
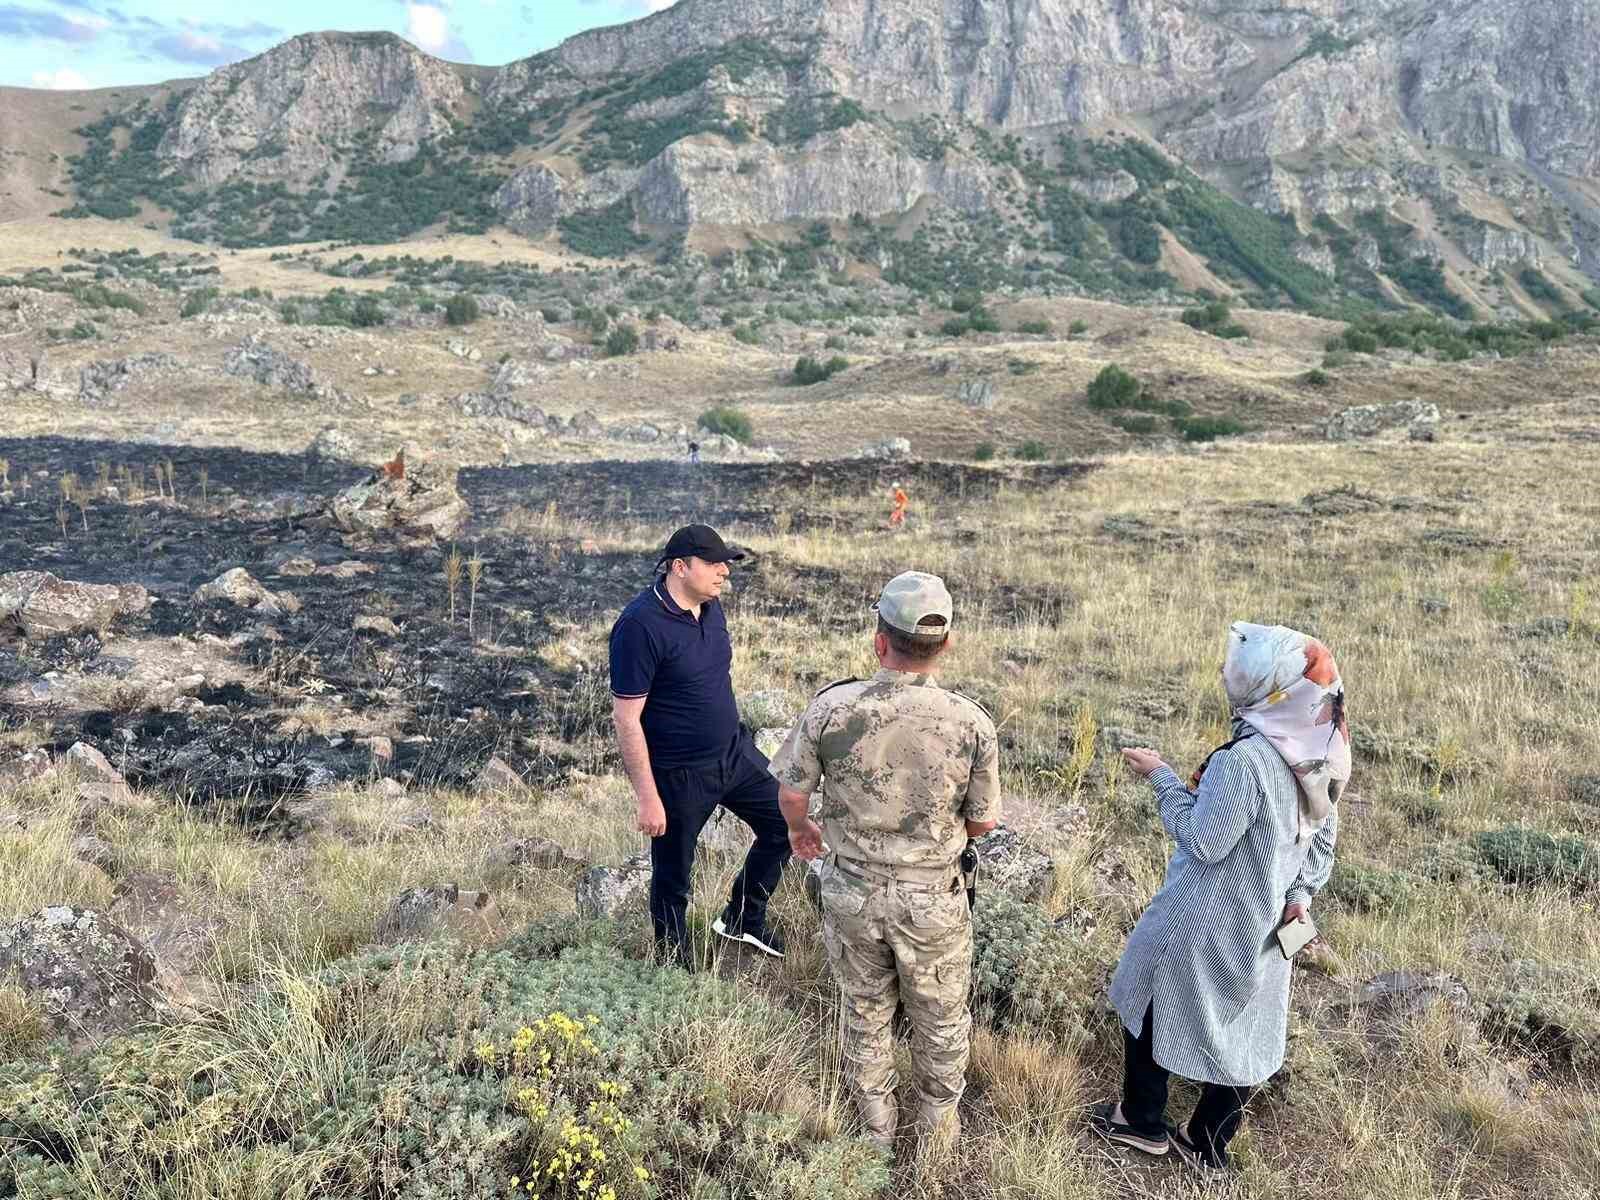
<point x="1113" y="388"/>
<point x="808" y="370"/>
<point x="602" y="232"/>
<point x="728" y="420"/>
<point x="623" y="339"/>
<point x="1207" y="429"/>
<point x="1531" y="858"/>
<point x="461" y="309"/>
<point x="1214" y="318"/>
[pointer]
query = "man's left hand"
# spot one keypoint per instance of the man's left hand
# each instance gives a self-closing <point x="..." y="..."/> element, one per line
<point x="806" y="840"/>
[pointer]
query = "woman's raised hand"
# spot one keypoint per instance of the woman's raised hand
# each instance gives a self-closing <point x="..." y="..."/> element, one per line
<point x="1142" y="760"/>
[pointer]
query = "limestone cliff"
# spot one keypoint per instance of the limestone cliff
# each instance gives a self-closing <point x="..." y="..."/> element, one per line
<point x="289" y="114"/>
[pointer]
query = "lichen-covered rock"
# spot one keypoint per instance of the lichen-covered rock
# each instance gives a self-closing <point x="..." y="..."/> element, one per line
<point x="531" y="852"/>
<point x="1370" y="419"/>
<point x="1406" y="995"/>
<point x="424" y="912"/>
<point x="254" y="359"/>
<point x="99" y="381"/>
<point x="238" y="586"/>
<point x="414" y="493"/>
<point x="607" y="891"/>
<point x="497" y="777"/>
<point x="332" y="444"/>
<point x="45" y="605"/>
<point x="891" y="449"/>
<point x="1008" y="864"/>
<point x="92" y="977"/>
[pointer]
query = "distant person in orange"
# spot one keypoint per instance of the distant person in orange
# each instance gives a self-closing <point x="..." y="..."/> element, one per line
<point x="897" y="515"/>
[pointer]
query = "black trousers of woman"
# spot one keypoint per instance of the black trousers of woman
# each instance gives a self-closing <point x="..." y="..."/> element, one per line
<point x="1144" y="1095"/>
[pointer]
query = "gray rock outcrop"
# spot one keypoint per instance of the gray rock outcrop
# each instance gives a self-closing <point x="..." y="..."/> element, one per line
<point x="275" y="116"/>
<point x="92" y="977"/>
<point x="607" y="891"/>
<point x="254" y="359"/>
<point x="415" y="493"/>
<point x="98" y="382"/>
<point x="1368" y="420"/>
<point x="45" y="605"/>
<point x="237" y="586"/>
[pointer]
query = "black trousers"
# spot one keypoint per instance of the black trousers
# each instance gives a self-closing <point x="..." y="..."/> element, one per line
<point x="740" y="783"/>
<point x="1144" y="1095"/>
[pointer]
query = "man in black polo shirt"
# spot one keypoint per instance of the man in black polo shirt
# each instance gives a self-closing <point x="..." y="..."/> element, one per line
<point x="683" y="745"/>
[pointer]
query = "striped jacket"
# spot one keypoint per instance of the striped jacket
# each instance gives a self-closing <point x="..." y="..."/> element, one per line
<point x="1203" y="952"/>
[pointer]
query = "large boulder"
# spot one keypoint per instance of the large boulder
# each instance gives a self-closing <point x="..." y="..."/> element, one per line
<point x="607" y="891"/>
<point x="91" y="975"/>
<point x="45" y="605"/>
<point x="415" y="493"/>
<point x="1371" y="419"/>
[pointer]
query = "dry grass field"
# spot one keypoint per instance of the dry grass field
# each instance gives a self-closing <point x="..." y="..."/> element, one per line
<point x="1457" y="581"/>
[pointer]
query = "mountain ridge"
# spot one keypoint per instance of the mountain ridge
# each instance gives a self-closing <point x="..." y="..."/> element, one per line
<point x="1468" y="126"/>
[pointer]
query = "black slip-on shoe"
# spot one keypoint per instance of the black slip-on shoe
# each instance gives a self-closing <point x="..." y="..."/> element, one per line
<point x="1120" y="1134"/>
<point x="763" y="937"/>
<point x="1201" y="1158"/>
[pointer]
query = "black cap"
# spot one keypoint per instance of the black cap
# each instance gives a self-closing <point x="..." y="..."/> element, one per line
<point x="702" y="542"/>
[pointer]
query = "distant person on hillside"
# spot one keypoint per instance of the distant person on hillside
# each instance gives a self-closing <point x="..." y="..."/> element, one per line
<point x="694" y="453"/>
<point x="683" y="745"/>
<point x="898" y="497"/>
<point x="1203" y="986"/>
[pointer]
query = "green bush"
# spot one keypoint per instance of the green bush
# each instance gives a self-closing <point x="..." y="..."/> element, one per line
<point x="1078" y="328"/>
<point x="1113" y="388"/>
<point x="461" y="309"/>
<point x="1040" y="327"/>
<point x="1032" y="450"/>
<point x="833" y="341"/>
<point x="197" y="301"/>
<point x="728" y="420"/>
<point x="1316" y="377"/>
<point x="964" y="302"/>
<point x="808" y="370"/>
<point x="1531" y="858"/>
<point x="983" y="452"/>
<point x="1030" y="974"/>
<point x="1360" y="341"/>
<point x="1135" y="422"/>
<point x="623" y="339"/>
<point x="1550" y="1011"/>
<point x="464" y="1071"/>
<point x="1369" y="889"/>
<point x="1207" y="429"/>
<point x="748" y="334"/>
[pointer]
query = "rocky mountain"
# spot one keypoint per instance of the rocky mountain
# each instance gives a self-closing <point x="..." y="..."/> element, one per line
<point x="1409" y="150"/>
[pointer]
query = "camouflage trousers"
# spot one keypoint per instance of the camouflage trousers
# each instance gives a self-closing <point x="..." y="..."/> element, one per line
<point x="893" y="942"/>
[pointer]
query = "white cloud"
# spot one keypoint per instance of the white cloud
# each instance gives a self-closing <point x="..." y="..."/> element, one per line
<point x="658" y="5"/>
<point x="63" y="80"/>
<point x="427" y="26"/>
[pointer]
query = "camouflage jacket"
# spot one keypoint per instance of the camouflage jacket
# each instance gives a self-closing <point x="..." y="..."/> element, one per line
<point x="903" y="764"/>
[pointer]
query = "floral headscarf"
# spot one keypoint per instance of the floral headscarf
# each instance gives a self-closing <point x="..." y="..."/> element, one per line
<point x="1285" y="686"/>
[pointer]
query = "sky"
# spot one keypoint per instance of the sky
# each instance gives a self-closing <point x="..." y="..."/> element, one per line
<point x="112" y="43"/>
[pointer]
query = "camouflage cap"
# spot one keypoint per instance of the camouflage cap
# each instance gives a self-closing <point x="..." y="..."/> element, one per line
<point x="913" y="597"/>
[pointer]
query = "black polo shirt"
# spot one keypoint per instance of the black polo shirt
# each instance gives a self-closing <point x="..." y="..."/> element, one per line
<point x="681" y="666"/>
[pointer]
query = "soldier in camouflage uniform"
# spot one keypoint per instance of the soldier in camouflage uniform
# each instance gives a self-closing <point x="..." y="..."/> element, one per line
<point x="909" y="772"/>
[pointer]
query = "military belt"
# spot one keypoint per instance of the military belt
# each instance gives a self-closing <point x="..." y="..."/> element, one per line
<point x="932" y="879"/>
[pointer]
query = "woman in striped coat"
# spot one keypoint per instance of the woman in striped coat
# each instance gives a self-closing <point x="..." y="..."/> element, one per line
<point x="1203" y="987"/>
